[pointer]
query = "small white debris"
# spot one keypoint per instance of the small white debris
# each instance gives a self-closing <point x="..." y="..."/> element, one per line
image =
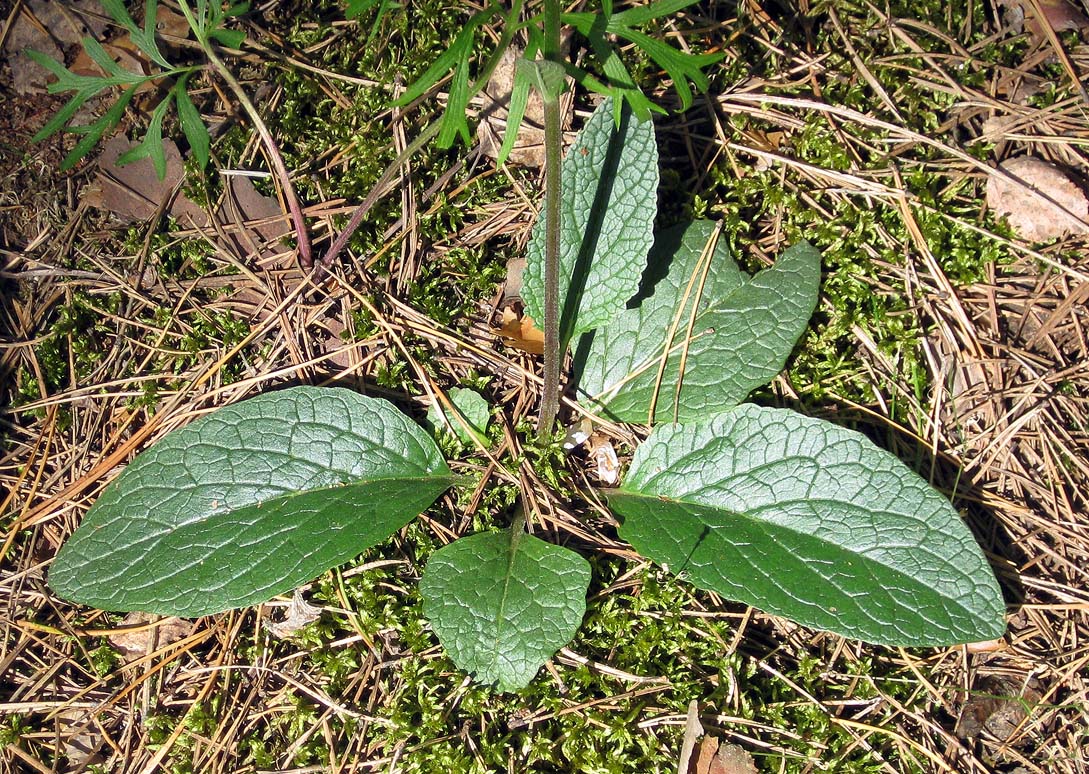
<point x="299" y="614"/>
<point x="604" y="456"/>
<point x="577" y="434"/>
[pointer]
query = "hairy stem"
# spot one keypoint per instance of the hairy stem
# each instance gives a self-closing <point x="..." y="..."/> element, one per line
<point x="550" y="400"/>
<point x="553" y="138"/>
<point x="306" y="257"/>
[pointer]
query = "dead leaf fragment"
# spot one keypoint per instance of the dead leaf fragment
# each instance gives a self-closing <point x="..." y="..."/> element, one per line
<point x="693" y="730"/>
<point x="1060" y="15"/>
<point x="79" y="736"/>
<point x="299" y="614"/>
<point x="247" y="222"/>
<point x="604" y="456"/>
<point x="134" y="192"/>
<point x="529" y="145"/>
<point x="143" y="633"/>
<point x="171" y="24"/>
<point x="32" y="28"/>
<point x="999" y="705"/>
<point x="712" y="757"/>
<point x="1035" y="218"/>
<point x="519" y="331"/>
<point x="512" y="285"/>
<point x="578" y="433"/>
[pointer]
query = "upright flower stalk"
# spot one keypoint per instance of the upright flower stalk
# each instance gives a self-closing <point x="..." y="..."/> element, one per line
<point x="550" y="83"/>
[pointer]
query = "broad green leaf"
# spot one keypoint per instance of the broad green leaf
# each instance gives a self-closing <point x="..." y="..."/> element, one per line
<point x="250" y="501"/>
<point x="810" y="521"/>
<point x="502" y="603"/>
<point x="474" y="415"/>
<point x="741" y="336"/>
<point x="609" y="200"/>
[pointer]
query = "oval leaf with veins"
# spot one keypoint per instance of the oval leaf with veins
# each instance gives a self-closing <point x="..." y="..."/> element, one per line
<point x="810" y="521"/>
<point x="251" y="501"/>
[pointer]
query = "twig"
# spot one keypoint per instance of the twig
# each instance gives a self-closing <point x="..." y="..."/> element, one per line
<point x="377" y="192"/>
<point x="306" y="257"/>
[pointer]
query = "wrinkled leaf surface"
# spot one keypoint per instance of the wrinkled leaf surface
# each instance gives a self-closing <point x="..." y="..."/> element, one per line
<point x="502" y="603"/>
<point x="250" y="501"/>
<point x="741" y="336"/>
<point x="810" y="521"/>
<point x="609" y="201"/>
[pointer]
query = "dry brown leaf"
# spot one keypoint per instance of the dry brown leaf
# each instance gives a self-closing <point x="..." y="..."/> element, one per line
<point x="170" y="23"/>
<point x="134" y="192"/>
<point x="35" y="27"/>
<point x="142" y="633"/>
<point x="80" y="738"/>
<point x="732" y="759"/>
<point x="247" y="205"/>
<point x="1059" y="14"/>
<point x="716" y="758"/>
<point x="520" y="332"/>
<point x="711" y="757"/>
<point x="998" y="704"/>
<point x="1033" y="217"/>
<point x="704" y="759"/>
<point x="128" y="55"/>
<point x="578" y="433"/>
<point x="529" y="146"/>
<point x="251" y="223"/>
<point x="52" y="28"/>
<point x="604" y="456"/>
<point x="512" y="286"/>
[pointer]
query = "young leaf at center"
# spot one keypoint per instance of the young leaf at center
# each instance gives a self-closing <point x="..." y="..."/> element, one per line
<point x="609" y="201"/>
<point x="250" y="501"/>
<point x="502" y="603"/>
<point x="810" y="521"/>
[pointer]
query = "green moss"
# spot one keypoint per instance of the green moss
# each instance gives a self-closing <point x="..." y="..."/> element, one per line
<point x="12" y="728"/>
